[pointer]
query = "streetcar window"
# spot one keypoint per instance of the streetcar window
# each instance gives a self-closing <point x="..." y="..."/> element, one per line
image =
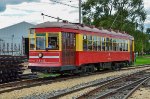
<point x="107" y="44"/>
<point x="120" y="45"/>
<point x="103" y="44"/>
<point x="94" y="43"/>
<point x="126" y="45"/>
<point x="84" y="42"/>
<point x="110" y="44"/>
<point x="53" y="41"/>
<point x="40" y="41"/>
<point x="32" y="45"/>
<point x="89" y="42"/>
<point x="114" y="45"/>
<point x="117" y="44"/>
<point x="99" y="44"/>
<point x="32" y="31"/>
<point x="32" y="39"/>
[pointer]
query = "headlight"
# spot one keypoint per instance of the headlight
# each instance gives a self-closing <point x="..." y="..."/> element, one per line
<point x="40" y="55"/>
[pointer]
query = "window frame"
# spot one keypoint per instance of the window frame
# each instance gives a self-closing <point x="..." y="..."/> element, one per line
<point x="36" y="40"/>
<point x="58" y="41"/>
<point x="103" y="43"/>
<point x="32" y="36"/>
<point x="85" y="46"/>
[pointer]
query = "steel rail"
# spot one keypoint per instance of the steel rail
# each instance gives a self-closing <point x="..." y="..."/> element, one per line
<point x="102" y="84"/>
<point x="17" y="85"/>
<point x="121" y="88"/>
<point x="8" y="87"/>
<point x="110" y="93"/>
<point x="133" y="90"/>
<point x="81" y="88"/>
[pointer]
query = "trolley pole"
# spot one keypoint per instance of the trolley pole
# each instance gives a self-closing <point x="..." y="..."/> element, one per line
<point x="80" y="12"/>
<point x="57" y="19"/>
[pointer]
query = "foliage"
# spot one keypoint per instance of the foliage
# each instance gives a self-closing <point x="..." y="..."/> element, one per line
<point x="95" y="11"/>
<point x="118" y="15"/>
<point x="142" y="60"/>
<point x="148" y="30"/>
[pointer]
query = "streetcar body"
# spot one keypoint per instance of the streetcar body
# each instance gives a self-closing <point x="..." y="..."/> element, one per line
<point x="60" y="47"/>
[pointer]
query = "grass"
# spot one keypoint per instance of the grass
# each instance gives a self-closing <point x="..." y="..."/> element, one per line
<point x="43" y="75"/>
<point x="141" y="60"/>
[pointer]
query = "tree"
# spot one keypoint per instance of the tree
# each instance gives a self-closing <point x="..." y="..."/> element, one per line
<point x="113" y="13"/>
<point x="119" y="15"/>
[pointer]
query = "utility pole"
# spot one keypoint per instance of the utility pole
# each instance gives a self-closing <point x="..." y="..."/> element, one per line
<point x="12" y="44"/>
<point x="80" y="12"/>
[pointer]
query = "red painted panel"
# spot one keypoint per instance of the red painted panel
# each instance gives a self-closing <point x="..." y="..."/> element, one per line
<point x="49" y="59"/>
<point x="94" y="57"/>
<point x="82" y="57"/>
<point x="70" y="30"/>
<point x="37" y="30"/>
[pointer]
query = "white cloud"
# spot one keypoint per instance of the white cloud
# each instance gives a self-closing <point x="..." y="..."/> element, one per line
<point x="31" y="12"/>
<point x="4" y="3"/>
<point x="146" y="3"/>
<point x="147" y="8"/>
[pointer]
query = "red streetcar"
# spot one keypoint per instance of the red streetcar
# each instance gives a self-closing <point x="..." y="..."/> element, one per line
<point x="66" y="47"/>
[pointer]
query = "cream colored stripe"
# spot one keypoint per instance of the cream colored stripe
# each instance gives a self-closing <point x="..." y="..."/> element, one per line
<point x="44" y="57"/>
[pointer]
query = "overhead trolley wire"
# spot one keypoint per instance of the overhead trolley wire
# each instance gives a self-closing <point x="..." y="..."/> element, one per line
<point x="52" y="17"/>
<point x="63" y="3"/>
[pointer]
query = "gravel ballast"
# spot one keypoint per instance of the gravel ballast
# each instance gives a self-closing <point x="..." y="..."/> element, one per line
<point x="39" y="90"/>
<point x="143" y="92"/>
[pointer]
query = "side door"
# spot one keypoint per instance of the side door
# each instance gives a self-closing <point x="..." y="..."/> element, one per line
<point x="68" y="48"/>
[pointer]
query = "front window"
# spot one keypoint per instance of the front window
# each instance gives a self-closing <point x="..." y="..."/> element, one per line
<point x="53" y="41"/>
<point x="40" y="41"/>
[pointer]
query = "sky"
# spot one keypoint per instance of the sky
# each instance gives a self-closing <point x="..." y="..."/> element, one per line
<point x="15" y="11"/>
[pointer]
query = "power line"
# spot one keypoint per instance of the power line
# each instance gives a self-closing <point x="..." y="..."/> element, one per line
<point x="114" y="20"/>
<point x="80" y="10"/>
<point x="63" y="4"/>
<point x="52" y="17"/>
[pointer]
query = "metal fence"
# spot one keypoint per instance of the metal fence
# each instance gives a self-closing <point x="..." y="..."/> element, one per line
<point x="10" y="49"/>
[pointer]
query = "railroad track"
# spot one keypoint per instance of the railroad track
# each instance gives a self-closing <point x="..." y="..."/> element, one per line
<point x="8" y="87"/>
<point x="17" y="85"/>
<point x="118" y="89"/>
<point x="114" y="87"/>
